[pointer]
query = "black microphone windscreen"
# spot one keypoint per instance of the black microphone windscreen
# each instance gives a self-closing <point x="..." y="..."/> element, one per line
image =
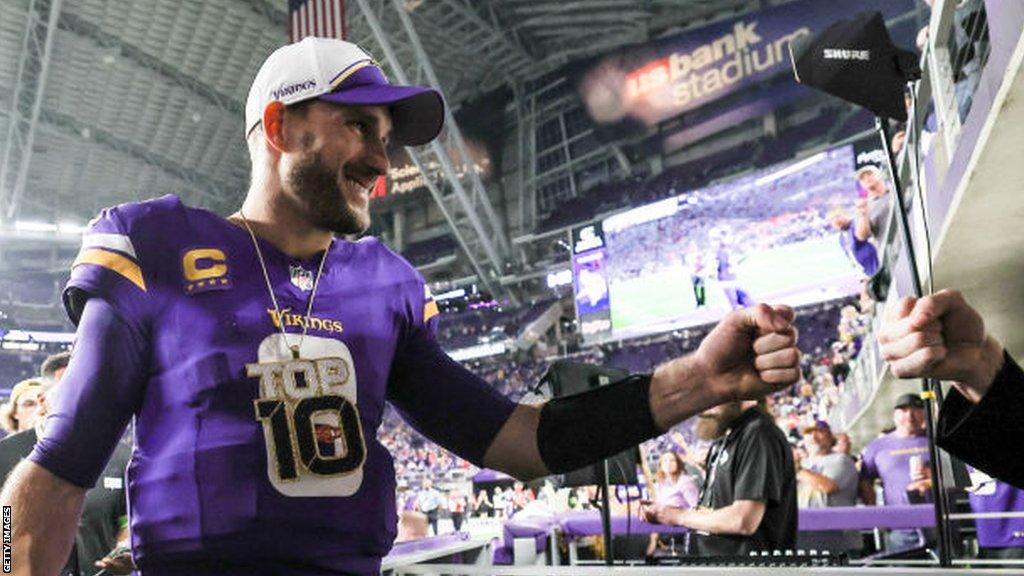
<point x="857" y="61"/>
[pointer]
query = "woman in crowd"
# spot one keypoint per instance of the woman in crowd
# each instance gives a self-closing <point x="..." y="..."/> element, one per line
<point x="24" y="407"/>
<point x="673" y="487"/>
<point x="482" y="507"/>
<point x="457" y="507"/>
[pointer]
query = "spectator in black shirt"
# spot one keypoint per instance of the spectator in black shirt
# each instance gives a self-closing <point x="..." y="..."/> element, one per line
<point x="749" y="499"/>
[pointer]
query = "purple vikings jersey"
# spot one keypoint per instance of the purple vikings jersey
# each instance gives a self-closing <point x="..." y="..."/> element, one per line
<point x="888" y="458"/>
<point x="243" y="453"/>
<point x="990" y="495"/>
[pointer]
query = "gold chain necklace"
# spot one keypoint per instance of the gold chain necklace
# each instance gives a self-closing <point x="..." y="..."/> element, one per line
<point x="270" y="289"/>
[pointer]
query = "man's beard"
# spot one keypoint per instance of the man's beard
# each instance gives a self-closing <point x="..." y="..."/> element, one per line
<point x="318" y="188"/>
<point x="712" y="426"/>
<point x="708" y="428"/>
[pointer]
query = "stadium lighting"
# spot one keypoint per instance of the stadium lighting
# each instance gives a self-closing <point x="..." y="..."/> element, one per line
<point x="457" y="293"/>
<point x="636" y="216"/>
<point x="70" y="228"/>
<point x="560" y="278"/>
<point x="23" y="346"/>
<point x="791" y="169"/>
<point x="39" y="336"/>
<point x="28" y="226"/>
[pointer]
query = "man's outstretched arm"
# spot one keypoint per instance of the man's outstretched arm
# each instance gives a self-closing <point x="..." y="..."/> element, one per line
<point x="98" y="394"/>
<point x="751" y="353"/>
<point x="741" y="518"/>
<point x="942" y="336"/>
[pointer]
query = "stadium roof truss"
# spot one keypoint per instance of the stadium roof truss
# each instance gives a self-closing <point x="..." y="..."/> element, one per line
<point x="105" y="101"/>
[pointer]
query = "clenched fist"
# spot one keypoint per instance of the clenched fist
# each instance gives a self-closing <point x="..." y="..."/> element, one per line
<point x="751" y="353"/>
<point x="941" y="336"/>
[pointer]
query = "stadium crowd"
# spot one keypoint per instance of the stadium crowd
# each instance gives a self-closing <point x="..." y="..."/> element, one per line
<point x="791" y="207"/>
<point x="831" y="335"/>
<point x="751" y="214"/>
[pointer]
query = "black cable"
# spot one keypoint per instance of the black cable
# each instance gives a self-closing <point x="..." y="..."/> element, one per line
<point x="595" y="501"/>
<point x="75" y="563"/>
<point x="917" y="184"/>
<point x="931" y="387"/>
<point x="629" y="507"/>
<point x="939" y="480"/>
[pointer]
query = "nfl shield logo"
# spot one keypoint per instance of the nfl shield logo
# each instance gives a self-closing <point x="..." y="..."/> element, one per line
<point x="301" y="278"/>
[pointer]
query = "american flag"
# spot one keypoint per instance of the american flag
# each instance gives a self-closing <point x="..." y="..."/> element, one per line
<point x="320" y="18"/>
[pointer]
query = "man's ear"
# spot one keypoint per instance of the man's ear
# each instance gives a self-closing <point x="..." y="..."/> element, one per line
<point x="273" y="126"/>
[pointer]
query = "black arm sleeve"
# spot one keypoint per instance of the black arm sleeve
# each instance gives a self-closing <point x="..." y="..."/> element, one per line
<point x="979" y="434"/>
<point x="578" y="430"/>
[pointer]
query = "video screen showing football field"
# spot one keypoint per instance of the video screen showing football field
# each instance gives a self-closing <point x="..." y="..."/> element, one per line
<point x="812" y="271"/>
<point x="767" y="237"/>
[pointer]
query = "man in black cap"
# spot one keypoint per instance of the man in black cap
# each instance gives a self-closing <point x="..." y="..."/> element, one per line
<point x="826" y="478"/>
<point x="900" y="460"/>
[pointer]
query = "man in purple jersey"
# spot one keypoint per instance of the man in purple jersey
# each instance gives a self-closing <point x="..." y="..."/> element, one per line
<point x="256" y="354"/>
<point x="900" y="460"/>
<point x="998" y="538"/>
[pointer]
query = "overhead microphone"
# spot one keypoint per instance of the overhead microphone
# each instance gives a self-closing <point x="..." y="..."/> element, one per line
<point x="856" y="60"/>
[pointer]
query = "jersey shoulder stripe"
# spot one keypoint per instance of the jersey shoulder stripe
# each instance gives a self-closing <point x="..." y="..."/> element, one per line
<point x="112" y="261"/>
<point x="117" y="242"/>
<point x="126" y="257"/>
<point x="429" y="304"/>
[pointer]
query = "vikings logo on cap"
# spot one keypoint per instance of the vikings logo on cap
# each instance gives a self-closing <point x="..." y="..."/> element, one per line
<point x="343" y="73"/>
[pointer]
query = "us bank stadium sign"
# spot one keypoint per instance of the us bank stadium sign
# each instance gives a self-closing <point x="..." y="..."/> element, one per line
<point x="653" y="82"/>
<point x="711" y="68"/>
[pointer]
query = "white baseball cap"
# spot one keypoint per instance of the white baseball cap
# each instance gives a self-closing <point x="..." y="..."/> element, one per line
<point x="869" y="168"/>
<point x="341" y="72"/>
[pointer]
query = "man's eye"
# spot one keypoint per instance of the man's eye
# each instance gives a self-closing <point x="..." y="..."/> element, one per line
<point x="359" y="126"/>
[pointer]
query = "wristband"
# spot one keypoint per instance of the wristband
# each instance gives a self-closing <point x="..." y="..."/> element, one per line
<point x="584" y="428"/>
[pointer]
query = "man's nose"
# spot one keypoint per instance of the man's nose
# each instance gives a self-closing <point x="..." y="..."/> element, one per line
<point x="376" y="156"/>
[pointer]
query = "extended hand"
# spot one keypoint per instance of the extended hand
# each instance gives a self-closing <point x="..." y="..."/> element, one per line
<point x="941" y="336"/>
<point x="120" y="564"/>
<point x="922" y="487"/>
<point x="656" y="513"/>
<point x="751" y="353"/>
